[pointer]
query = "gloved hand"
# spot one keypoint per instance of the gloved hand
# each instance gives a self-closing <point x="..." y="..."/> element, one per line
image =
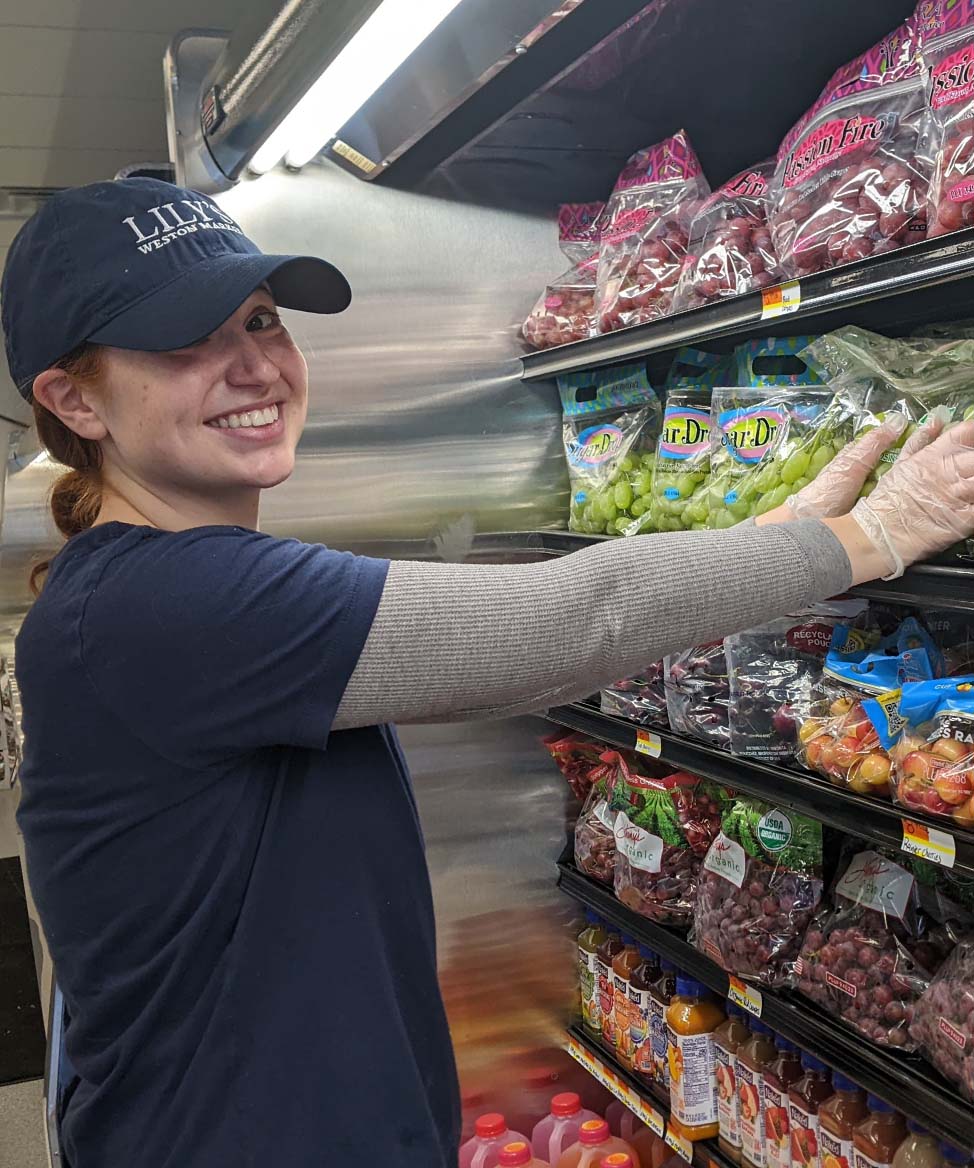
<point x="836" y="488"/>
<point x="926" y="502"/>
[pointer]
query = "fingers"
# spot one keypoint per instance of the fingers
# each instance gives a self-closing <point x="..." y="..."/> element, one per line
<point x="931" y="429"/>
<point x="867" y="450"/>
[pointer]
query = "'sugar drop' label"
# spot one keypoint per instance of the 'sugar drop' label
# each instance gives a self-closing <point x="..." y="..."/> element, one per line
<point x="834" y="1149"/>
<point x="693" y="1088"/>
<point x="750" y="1095"/>
<point x="804" y="1136"/>
<point x="777" y="1138"/>
<point x="728" y="1107"/>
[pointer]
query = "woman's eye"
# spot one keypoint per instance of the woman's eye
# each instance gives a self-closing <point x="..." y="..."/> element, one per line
<point x="264" y="319"/>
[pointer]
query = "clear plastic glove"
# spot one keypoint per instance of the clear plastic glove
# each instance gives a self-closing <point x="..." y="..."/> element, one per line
<point x="926" y="502"/>
<point x="835" y="489"/>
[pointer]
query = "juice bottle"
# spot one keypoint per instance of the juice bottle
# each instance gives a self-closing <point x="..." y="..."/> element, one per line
<point x="491" y="1133"/>
<point x="753" y="1057"/>
<point x="617" y="1160"/>
<point x="652" y="1151"/>
<point x="623" y="964"/>
<point x="691" y="1019"/>
<point x="595" y="1142"/>
<point x="604" y="956"/>
<point x="622" y="1122"/>
<point x="804" y="1100"/>
<point x="560" y="1128"/>
<point x="919" y="1150"/>
<point x="728" y="1037"/>
<point x="837" y="1119"/>
<point x="877" y="1137"/>
<point x="660" y="994"/>
<point x="640" y="983"/>
<point x="518" y="1155"/>
<point x="782" y="1071"/>
<point x="589" y="939"/>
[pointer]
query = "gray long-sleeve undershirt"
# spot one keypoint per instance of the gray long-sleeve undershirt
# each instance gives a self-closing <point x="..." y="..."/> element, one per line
<point x="455" y="642"/>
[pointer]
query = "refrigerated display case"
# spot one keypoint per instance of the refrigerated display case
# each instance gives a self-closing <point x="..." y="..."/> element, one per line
<point x="433" y="434"/>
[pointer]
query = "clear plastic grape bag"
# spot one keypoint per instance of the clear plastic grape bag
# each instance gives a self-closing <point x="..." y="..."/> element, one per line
<point x="943" y="1023"/>
<point x="611" y="420"/>
<point x="767" y="443"/>
<point x="777" y="362"/>
<point x="730" y="251"/>
<point x="641" y="699"/>
<point x="645" y="233"/>
<point x="771" y="670"/>
<point x="565" y="311"/>
<point x="868" y="957"/>
<point x="681" y="471"/>
<point x="947" y="52"/>
<point x="697" y="369"/>
<point x="661" y="839"/>
<point x="760" y="885"/>
<point x="595" y="844"/>
<point x="850" y="180"/>
<point x="698" y="693"/>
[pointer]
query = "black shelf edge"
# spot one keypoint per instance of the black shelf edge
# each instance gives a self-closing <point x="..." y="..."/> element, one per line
<point x="915" y="268"/>
<point x="706" y="1153"/>
<point x="907" y="1084"/>
<point x="873" y="820"/>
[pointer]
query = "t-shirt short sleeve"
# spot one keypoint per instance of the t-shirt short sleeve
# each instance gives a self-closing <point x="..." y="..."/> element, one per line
<point x="216" y="641"/>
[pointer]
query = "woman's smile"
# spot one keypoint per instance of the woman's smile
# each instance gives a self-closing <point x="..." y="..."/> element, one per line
<point x="260" y="423"/>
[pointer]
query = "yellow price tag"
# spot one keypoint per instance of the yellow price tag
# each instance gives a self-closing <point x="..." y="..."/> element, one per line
<point x="680" y="1144"/>
<point x="648" y="743"/>
<point x="927" y="842"/>
<point x="622" y="1091"/>
<point x="745" y="996"/>
<point x="781" y="300"/>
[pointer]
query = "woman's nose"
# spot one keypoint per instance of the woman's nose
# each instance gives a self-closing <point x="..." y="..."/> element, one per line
<point x="250" y="364"/>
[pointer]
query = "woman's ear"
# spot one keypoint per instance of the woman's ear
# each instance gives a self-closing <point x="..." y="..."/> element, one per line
<point x="60" y="393"/>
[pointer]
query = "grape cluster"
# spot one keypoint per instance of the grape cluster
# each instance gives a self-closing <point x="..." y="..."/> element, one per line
<point x="563" y="314"/>
<point x="611" y="508"/>
<point x="640" y="699"/>
<point x="943" y="1022"/>
<point x="952" y="191"/>
<point x="638" y="275"/>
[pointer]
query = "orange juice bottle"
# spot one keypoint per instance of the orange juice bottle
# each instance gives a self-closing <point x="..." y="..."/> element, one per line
<point x="595" y="1143"/>
<point x="691" y="1019"/>
<point x="623" y="965"/>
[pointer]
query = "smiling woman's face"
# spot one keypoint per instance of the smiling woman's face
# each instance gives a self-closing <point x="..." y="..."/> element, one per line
<point x="214" y="420"/>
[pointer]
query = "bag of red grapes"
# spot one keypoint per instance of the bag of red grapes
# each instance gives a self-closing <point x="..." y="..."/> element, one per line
<point x="577" y="757"/>
<point x="641" y="699"/>
<point x="948" y="52"/>
<point x="645" y="233"/>
<point x="730" y="250"/>
<point x="595" y="843"/>
<point x="869" y="957"/>
<point x="661" y="839"/>
<point x="943" y="1022"/>
<point x="760" y="885"/>
<point x="698" y="693"/>
<point x="850" y="181"/>
<point x="565" y="311"/>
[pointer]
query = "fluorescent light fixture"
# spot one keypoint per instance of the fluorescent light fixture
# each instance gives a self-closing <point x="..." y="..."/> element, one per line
<point x="394" y="31"/>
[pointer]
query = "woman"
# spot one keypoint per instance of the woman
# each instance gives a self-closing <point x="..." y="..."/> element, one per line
<point x="221" y="835"/>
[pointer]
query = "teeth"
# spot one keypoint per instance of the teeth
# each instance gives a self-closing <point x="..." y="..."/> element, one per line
<point x="251" y="418"/>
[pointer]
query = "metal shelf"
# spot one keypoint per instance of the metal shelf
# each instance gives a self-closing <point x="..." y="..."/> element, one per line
<point x="874" y="820"/>
<point x="827" y="298"/>
<point x="907" y="1083"/>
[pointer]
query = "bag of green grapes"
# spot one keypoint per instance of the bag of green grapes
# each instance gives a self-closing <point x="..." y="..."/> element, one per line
<point x="610" y="423"/>
<point x="682" y="470"/>
<point x="768" y="443"/>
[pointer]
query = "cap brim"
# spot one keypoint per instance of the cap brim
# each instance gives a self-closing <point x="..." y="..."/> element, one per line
<point x="196" y="303"/>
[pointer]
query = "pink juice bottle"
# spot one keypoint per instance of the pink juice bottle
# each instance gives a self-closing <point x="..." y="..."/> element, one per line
<point x="518" y="1155"/>
<point x="595" y="1142"/>
<point x="559" y="1130"/>
<point x="491" y="1133"/>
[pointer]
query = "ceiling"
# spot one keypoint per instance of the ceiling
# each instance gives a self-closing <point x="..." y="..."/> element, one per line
<point x="81" y="96"/>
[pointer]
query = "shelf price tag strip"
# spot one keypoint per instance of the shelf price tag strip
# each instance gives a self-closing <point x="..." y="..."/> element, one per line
<point x="936" y="846"/>
<point x="781" y="300"/>
<point x="622" y="1091"/>
<point x="648" y="743"/>
<point x="680" y="1144"/>
<point x="745" y="996"/>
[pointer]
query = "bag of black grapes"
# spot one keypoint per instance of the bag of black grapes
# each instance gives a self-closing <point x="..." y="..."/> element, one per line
<point x="641" y="699"/>
<point x="760" y="886"/>
<point x="610" y="423"/>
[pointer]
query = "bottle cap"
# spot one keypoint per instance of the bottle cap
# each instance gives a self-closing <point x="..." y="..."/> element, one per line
<point x="514" y="1154"/>
<point x="689" y="987"/>
<point x="490" y="1126"/>
<point x="617" y="1160"/>
<point x="917" y="1128"/>
<point x="874" y="1103"/>
<point x="953" y="1155"/>
<point x="593" y="1132"/>
<point x="568" y="1103"/>
<point x="811" y="1063"/>
<point x="843" y="1083"/>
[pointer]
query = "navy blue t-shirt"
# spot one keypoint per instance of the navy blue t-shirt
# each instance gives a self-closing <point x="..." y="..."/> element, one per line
<point x="236" y="900"/>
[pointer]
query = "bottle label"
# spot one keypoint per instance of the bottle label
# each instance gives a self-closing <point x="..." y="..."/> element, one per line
<point x="728" y="1107"/>
<point x="861" y="1160"/>
<point x="658" y="1039"/>
<point x="693" y="1088"/>
<point x="606" y="997"/>
<point x="750" y="1087"/>
<point x="804" y="1136"/>
<point x="640" y="1046"/>
<point x="620" y="1023"/>
<point x="835" y="1152"/>
<point x="591" y="1014"/>
<point x="777" y="1133"/>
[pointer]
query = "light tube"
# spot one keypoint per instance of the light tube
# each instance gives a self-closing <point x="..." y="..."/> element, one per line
<point x="394" y="31"/>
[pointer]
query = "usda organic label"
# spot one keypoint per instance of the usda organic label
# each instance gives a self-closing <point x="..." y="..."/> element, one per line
<point x="774" y="831"/>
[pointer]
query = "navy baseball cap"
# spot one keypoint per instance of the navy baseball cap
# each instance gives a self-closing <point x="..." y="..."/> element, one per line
<point x="139" y="264"/>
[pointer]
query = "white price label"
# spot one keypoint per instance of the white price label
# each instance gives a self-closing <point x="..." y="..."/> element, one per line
<point x="927" y="842"/>
<point x="781" y="300"/>
<point x="680" y="1144"/>
<point x="745" y="996"/>
<point x="648" y="743"/>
